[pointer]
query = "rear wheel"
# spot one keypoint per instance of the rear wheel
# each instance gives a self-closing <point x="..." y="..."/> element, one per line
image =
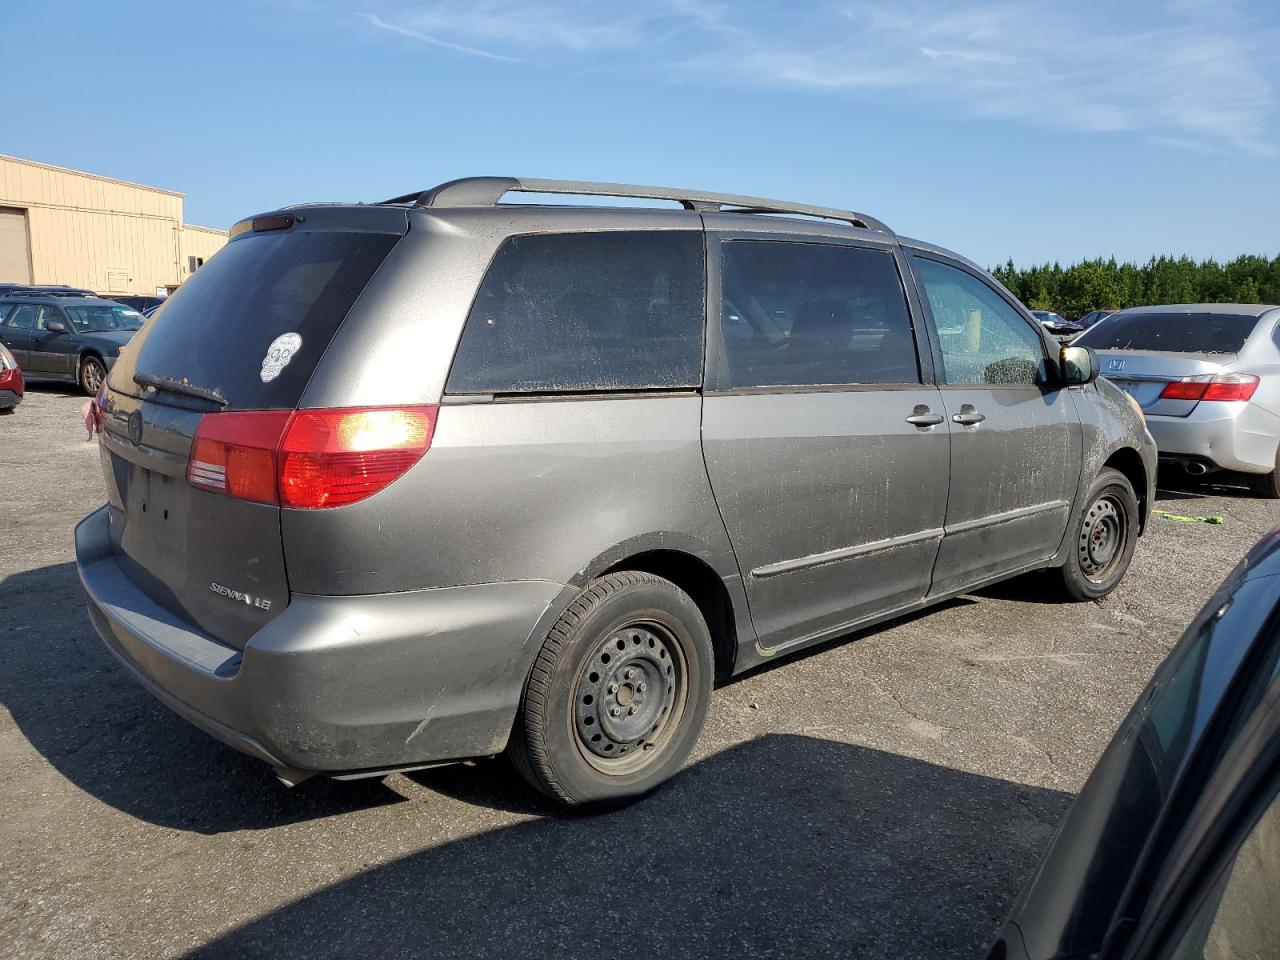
<point x="1267" y="484"/>
<point x="618" y="694"/>
<point x="1103" y="538"/>
<point x="92" y="372"/>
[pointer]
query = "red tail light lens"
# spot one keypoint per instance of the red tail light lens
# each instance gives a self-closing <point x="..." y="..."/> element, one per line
<point x="1231" y="386"/>
<point x="235" y="454"/>
<point x="1222" y="386"/>
<point x="333" y="457"/>
<point x="308" y="459"/>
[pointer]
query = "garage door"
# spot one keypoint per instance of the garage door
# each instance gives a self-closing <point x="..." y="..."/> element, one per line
<point x="15" y="259"/>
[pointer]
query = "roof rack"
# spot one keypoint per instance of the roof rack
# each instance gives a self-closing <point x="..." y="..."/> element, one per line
<point x="487" y="191"/>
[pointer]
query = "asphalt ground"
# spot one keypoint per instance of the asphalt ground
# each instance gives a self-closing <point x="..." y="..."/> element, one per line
<point x="883" y="796"/>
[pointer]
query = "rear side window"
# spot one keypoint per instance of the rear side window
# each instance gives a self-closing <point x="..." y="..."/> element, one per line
<point x="1171" y="332"/>
<point x="801" y="314"/>
<point x="254" y="321"/>
<point x="586" y="312"/>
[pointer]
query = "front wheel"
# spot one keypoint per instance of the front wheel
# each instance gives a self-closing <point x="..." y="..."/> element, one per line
<point x="92" y="372"/>
<point x="618" y="694"/>
<point x="1103" y="538"/>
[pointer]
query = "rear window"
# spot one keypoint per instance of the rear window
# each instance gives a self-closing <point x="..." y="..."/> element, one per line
<point x="586" y="312"/>
<point x="254" y="321"/>
<point x="1171" y="332"/>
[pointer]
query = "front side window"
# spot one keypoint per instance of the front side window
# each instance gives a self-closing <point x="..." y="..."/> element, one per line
<point x="585" y="312"/>
<point x="802" y="314"/>
<point x="984" y="339"/>
<point x="47" y="314"/>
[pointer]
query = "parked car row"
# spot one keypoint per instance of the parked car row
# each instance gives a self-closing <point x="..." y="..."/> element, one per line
<point x="76" y="338"/>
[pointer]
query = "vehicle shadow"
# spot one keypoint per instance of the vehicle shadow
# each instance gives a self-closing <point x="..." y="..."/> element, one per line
<point x="80" y="709"/>
<point x="786" y="846"/>
<point x="63" y="387"/>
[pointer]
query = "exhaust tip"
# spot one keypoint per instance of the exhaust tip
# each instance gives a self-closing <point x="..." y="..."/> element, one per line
<point x="1195" y="468"/>
<point x="291" y="776"/>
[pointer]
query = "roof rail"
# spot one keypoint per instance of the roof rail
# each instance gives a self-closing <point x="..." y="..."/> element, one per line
<point x="487" y="191"/>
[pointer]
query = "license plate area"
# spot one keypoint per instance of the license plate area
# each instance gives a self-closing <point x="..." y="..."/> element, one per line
<point x="156" y="520"/>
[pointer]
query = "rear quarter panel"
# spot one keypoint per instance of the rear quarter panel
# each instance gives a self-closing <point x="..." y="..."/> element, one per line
<point x="524" y="490"/>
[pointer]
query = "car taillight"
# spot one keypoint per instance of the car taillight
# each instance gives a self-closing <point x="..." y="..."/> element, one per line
<point x="308" y="459"/>
<point x="1222" y="386"/>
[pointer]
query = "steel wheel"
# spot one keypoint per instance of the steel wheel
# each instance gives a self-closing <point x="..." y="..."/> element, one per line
<point x="630" y="695"/>
<point x="1103" y="537"/>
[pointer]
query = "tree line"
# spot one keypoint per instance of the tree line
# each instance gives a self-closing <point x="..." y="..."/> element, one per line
<point x="1100" y="284"/>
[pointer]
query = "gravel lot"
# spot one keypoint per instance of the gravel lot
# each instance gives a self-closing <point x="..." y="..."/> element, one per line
<point x="885" y="796"/>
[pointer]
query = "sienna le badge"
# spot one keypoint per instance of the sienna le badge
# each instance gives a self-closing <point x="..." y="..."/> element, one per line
<point x="279" y="354"/>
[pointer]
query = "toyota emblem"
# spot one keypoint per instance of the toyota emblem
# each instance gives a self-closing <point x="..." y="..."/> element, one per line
<point x="135" y="427"/>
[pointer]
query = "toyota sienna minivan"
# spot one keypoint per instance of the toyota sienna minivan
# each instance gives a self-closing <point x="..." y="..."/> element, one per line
<point x="428" y="480"/>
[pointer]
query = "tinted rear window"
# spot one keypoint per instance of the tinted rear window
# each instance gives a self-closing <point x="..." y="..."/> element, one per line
<point x="217" y="330"/>
<point x="813" y="313"/>
<point x="1171" y="332"/>
<point x="584" y="312"/>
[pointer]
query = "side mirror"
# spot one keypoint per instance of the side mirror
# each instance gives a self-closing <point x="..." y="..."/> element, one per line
<point x="56" y="326"/>
<point x="1077" y="365"/>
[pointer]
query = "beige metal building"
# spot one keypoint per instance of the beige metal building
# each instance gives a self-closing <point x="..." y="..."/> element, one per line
<point x="83" y="230"/>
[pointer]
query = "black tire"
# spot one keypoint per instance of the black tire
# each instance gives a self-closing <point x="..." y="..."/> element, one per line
<point x="1266" y="485"/>
<point x="92" y="372"/>
<point x="596" y="727"/>
<point x="1102" y="539"/>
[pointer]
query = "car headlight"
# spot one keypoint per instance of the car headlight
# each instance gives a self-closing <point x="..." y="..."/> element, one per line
<point x="6" y="359"/>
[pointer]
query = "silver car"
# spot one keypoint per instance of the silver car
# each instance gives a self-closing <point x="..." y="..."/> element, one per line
<point x="414" y="482"/>
<point x="1208" y="378"/>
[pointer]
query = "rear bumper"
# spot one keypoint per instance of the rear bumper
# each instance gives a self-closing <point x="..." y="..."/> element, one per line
<point x="1234" y="436"/>
<point x="333" y="685"/>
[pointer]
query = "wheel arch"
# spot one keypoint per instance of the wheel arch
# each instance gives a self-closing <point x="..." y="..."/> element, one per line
<point x="704" y="586"/>
<point x="1129" y="462"/>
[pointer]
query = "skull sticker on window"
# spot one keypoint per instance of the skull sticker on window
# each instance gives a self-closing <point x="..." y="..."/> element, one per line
<point x="279" y="354"/>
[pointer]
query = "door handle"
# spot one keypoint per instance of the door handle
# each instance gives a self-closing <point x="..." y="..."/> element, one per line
<point x="969" y="419"/>
<point x="925" y="419"/>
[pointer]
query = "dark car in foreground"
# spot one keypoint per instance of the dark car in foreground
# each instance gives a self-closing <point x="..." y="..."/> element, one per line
<point x="11" y="383"/>
<point x="1208" y="378"/>
<point x="66" y="338"/>
<point x="402" y="483"/>
<point x="1172" y="849"/>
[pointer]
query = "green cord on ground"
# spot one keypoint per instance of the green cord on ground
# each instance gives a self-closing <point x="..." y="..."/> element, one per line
<point x="1181" y="518"/>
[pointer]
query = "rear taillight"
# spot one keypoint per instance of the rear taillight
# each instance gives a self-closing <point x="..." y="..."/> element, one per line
<point x="1222" y="386"/>
<point x="308" y="459"/>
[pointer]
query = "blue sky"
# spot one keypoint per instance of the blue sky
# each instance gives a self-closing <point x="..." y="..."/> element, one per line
<point x="1031" y="130"/>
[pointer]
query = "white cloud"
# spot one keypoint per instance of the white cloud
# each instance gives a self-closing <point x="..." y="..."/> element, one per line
<point x="1195" y="70"/>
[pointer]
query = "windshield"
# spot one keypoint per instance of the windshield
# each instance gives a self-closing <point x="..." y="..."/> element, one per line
<point x="1171" y="332"/>
<point x="93" y="318"/>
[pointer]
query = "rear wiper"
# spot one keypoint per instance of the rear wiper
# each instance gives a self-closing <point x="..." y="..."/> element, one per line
<point x="180" y="386"/>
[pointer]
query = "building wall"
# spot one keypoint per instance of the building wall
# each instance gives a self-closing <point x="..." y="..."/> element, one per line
<point x="107" y="235"/>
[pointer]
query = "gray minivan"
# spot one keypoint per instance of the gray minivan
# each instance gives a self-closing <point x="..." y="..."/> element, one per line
<point x="427" y="480"/>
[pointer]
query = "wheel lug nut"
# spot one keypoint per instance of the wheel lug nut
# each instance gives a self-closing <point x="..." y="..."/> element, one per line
<point x="613" y="688"/>
<point x="630" y="674"/>
<point x="641" y="687"/>
<point x="616" y="712"/>
<point x="631" y="711"/>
